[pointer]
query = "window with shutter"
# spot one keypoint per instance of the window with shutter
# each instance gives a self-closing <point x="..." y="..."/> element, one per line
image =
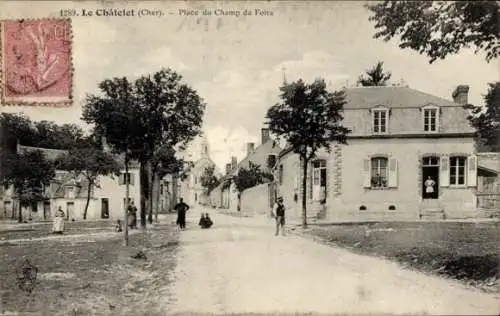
<point x="457" y="170"/>
<point x="366" y="173"/>
<point x="444" y="177"/>
<point x="393" y="173"/>
<point x="472" y="171"/>
<point x="379" y="173"/>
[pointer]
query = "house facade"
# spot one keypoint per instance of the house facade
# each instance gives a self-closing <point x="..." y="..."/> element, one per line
<point x="107" y="200"/>
<point x="265" y="156"/>
<point x="400" y="138"/>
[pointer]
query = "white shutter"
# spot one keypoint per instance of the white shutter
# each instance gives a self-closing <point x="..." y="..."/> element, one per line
<point x="444" y="178"/>
<point x="472" y="171"/>
<point x="132" y="178"/>
<point x="393" y="173"/>
<point x="121" y="179"/>
<point x="366" y="173"/>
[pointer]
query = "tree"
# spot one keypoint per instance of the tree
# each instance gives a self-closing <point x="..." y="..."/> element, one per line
<point x="308" y="117"/>
<point x="137" y="118"/>
<point x="209" y="180"/>
<point x="20" y="127"/>
<point x="29" y="173"/>
<point x="439" y="28"/>
<point x="375" y="76"/>
<point x="250" y="177"/>
<point x="164" y="162"/>
<point x="89" y="163"/>
<point x="115" y="114"/>
<point x="171" y="115"/>
<point x="486" y="120"/>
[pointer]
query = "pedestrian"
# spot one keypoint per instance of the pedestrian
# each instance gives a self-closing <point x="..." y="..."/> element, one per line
<point x="181" y="209"/>
<point x="279" y="214"/>
<point x="58" y="224"/>
<point x="205" y="221"/>
<point x="118" y="226"/>
<point x="429" y="187"/>
<point x="132" y="215"/>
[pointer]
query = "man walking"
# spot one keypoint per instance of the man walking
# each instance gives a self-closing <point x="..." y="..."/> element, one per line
<point x="279" y="214"/>
<point x="181" y="209"/>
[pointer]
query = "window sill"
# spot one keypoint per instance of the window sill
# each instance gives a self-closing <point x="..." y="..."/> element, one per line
<point x="460" y="186"/>
<point x="381" y="189"/>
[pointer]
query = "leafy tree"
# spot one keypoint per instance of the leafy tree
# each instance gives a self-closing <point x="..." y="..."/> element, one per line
<point x="209" y="180"/>
<point x="115" y="113"/>
<point x="89" y="163"/>
<point x="19" y="127"/>
<point x="375" y="76"/>
<point x="172" y="114"/>
<point x="28" y="173"/>
<point x="137" y="118"/>
<point x="439" y="28"/>
<point x="486" y="120"/>
<point x="250" y="177"/>
<point x="308" y="117"/>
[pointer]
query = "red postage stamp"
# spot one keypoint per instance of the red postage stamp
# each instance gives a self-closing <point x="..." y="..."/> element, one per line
<point x="36" y="62"/>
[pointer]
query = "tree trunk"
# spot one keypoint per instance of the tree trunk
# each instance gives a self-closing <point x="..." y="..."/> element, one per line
<point x="304" y="193"/>
<point x="150" y="193"/>
<point x="156" y="195"/>
<point x="173" y="199"/>
<point x="127" y="195"/>
<point x="89" y="190"/>
<point x="20" y="212"/>
<point x="144" y="193"/>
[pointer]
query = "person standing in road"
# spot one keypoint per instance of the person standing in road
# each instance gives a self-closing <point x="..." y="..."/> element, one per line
<point x="181" y="209"/>
<point x="279" y="214"/>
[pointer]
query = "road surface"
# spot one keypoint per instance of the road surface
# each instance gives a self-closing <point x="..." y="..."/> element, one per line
<point x="239" y="266"/>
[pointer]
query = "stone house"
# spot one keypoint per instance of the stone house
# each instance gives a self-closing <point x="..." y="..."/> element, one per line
<point x="265" y="156"/>
<point x="400" y="138"/>
<point x="106" y="202"/>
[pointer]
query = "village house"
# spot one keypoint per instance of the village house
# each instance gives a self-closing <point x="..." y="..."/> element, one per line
<point x="400" y="138"/>
<point x="107" y="201"/>
<point x="265" y="156"/>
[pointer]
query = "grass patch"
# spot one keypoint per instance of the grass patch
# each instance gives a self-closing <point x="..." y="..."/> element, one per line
<point x="464" y="251"/>
<point x="92" y="278"/>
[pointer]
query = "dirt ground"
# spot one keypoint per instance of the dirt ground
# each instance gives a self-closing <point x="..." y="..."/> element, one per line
<point x="465" y="251"/>
<point x="89" y="275"/>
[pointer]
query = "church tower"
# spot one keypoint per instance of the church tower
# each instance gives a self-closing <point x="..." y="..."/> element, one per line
<point x="204" y="148"/>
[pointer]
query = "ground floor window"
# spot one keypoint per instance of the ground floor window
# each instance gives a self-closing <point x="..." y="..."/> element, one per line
<point x="457" y="170"/>
<point x="379" y="172"/>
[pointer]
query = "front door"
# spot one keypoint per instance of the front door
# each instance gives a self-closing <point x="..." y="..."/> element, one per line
<point x="104" y="208"/>
<point x="319" y="180"/>
<point x="46" y="210"/>
<point x="430" y="178"/>
<point x="70" y="210"/>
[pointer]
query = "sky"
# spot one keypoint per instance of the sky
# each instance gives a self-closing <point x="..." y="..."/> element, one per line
<point x="237" y="63"/>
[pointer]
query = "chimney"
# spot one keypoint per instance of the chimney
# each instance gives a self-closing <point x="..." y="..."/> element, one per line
<point x="228" y="168"/>
<point x="265" y="135"/>
<point x="234" y="162"/>
<point x="250" y="148"/>
<point x="105" y="146"/>
<point x="460" y="94"/>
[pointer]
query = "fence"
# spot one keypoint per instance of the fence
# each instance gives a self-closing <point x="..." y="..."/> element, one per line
<point x="488" y="193"/>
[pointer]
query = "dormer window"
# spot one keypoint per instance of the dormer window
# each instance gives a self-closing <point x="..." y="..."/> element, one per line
<point x="380" y="118"/>
<point x="430" y="118"/>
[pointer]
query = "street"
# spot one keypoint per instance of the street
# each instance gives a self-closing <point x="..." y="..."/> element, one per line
<point x="239" y="266"/>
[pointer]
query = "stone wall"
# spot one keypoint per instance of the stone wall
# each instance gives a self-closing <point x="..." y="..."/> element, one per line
<point x="255" y="200"/>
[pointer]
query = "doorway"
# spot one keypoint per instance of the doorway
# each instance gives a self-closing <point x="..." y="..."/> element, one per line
<point x="319" y="180"/>
<point x="70" y="210"/>
<point x="46" y="210"/>
<point x="104" y="208"/>
<point x="430" y="171"/>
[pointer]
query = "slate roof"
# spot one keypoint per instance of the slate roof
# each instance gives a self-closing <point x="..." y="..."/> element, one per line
<point x="392" y="97"/>
<point x="50" y="154"/>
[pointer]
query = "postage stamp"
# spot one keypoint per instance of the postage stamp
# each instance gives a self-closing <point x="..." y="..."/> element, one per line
<point x="36" y="63"/>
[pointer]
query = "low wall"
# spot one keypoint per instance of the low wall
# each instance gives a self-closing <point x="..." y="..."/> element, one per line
<point x="255" y="200"/>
